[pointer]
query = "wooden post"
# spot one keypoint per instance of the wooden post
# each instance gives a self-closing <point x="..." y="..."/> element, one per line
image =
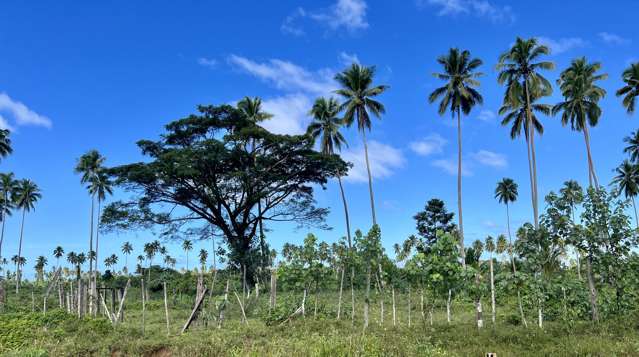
<point x="166" y="310"/>
<point x="339" y="299"/>
<point x="394" y="311"/>
<point x="143" y="304"/>
<point x="53" y="282"/>
<point x="241" y="308"/>
<point x="273" y="298"/>
<point x="223" y="307"/>
<point x="120" y="316"/>
<point x="79" y="294"/>
<point x="195" y="311"/>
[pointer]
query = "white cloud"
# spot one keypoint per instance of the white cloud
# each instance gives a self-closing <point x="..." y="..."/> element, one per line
<point x="432" y="144"/>
<point x="384" y="161"/>
<point x="348" y="59"/>
<point x="449" y="166"/>
<point x="289" y="114"/>
<point x="613" y="39"/>
<point x="287" y="75"/>
<point x="478" y="8"/>
<point x="563" y="44"/>
<point x="489" y="158"/>
<point x="207" y="62"/>
<point x="4" y="124"/>
<point x="21" y="114"/>
<point x="347" y="14"/>
<point x="486" y="115"/>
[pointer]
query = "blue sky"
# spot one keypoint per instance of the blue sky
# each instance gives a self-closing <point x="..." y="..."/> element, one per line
<point x="78" y="76"/>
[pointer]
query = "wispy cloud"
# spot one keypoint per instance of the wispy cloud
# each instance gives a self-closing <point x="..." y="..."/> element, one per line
<point x="486" y="115"/>
<point x="207" y="62"/>
<point x="477" y="8"/>
<point x="347" y="59"/>
<point x="431" y="144"/>
<point x="384" y="161"/>
<point x="449" y="166"/>
<point x="20" y="114"/>
<point x="489" y="158"/>
<point x="561" y="45"/>
<point x="287" y="75"/>
<point x="344" y="14"/>
<point x="613" y="39"/>
<point x="289" y="114"/>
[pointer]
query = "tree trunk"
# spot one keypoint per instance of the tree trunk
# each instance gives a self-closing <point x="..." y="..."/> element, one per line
<point x="540" y="317"/>
<point x="143" y="305"/>
<point x="352" y="293"/>
<point x="480" y="318"/>
<point x="492" y="291"/>
<point x="370" y="177"/>
<point x="18" y="265"/>
<point x="448" y="301"/>
<point x="346" y="216"/>
<point x="4" y="216"/>
<point x="521" y="309"/>
<point x="409" y="307"/>
<point x="591" y="165"/>
<point x="635" y="209"/>
<point x="273" y="297"/>
<point x="459" y="189"/>
<point x="368" y="295"/>
<point x="593" y="290"/>
<point x="394" y="309"/>
<point x="531" y="152"/>
<point x="510" y="240"/>
<point x="339" y="299"/>
<point x="166" y="310"/>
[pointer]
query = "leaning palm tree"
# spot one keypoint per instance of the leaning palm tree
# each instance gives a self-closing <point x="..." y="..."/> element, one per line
<point x="88" y="166"/>
<point x="631" y="90"/>
<point x="27" y="194"/>
<point x="359" y="95"/>
<point x="457" y="96"/>
<point x="127" y="248"/>
<point x="5" y="143"/>
<point x="506" y="193"/>
<point x="8" y="186"/>
<point x="58" y="253"/>
<point x="519" y="69"/>
<point x="187" y="246"/>
<point x="580" y="107"/>
<point x="632" y="148"/>
<point x="627" y="181"/>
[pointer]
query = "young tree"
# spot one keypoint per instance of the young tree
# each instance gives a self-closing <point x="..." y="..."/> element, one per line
<point x="370" y="252"/>
<point x="573" y="195"/>
<point x="432" y="219"/>
<point x="359" y="92"/>
<point x="506" y="193"/>
<point x="457" y="96"/>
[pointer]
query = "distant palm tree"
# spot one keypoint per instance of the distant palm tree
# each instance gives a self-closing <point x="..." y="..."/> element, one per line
<point x="72" y="258"/>
<point x="580" y="107"/>
<point x="27" y="194"/>
<point x="150" y="249"/>
<point x="627" y="180"/>
<point x="8" y="186"/>
<point x="502" y="244"/>
<point x="41" y="262"/>
<point x="81" y="259"/>
<point x="457" y="96"/>
<point x="632" y="148"/>
<point x="5" y="143"/>
<point x="88" y="166"/>
<point x="111" y="261"/>
<point x="140" y="261"/>
<point x="187" y="246"/>
<point x="167" y="260"/>
<point x="506" y="193"/>
<point x="519" y="69"/>
<point x="204" y="255"/>
<point x="127" y="248"/>
<point x="631" y="90"/>
<point x="58" y="253"/>
<point x="18" y="262"/>
<point x="358" y="91"/>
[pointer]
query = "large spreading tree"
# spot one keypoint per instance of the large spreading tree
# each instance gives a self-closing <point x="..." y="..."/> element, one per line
<point x="216" y="167"/>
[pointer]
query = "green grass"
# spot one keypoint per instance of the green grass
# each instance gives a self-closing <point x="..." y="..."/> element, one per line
<point x="25" y="333"/>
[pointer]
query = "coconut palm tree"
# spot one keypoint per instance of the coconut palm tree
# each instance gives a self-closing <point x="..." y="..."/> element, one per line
<point x="631" y="90"/>
<point x="506" y="193"/>
<point x="204" y="255"/>
<point x="99" y="186"/>
<point x="26" y="196"/>
<point x="19" y="262"/>
<point x="5" y="143"/>
<point x="489" y="246"/>
<point x="359" y="92"/>
<point x="58" y="253"/>
<point x="580" y="107"/>
<point x="632" y="148"/>
<point x="8" y="186"/>
<point x="41" y="262"/>
<point x="187" y="246"/>
<point x="150" y="249"/>
<point x="458" y="96"/>
<point x="519" y="69"/>
<point x="88" y="166"/>
<point x="573" y="195"/>
<point x="627" y="180"/>
<point x="127" y="248"/>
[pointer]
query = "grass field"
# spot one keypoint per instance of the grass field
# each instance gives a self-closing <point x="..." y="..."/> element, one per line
<point x="27" y="333"/>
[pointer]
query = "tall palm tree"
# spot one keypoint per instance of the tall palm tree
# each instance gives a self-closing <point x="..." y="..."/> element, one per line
<point x="580" y="107"/>
<point x="627" y="180"/>
<point x="8" y="186"/>
<point x="457" y="96"/>
<point x="506" y="193"/>
<point x="88" y="166"/>
<point x="127" y="248"/>
<point x="519" y="69"/>
<point x="632" y="148"/>
<point x="187" y="246"/>
<point x="5" y="143"/>
<point x="99" y="186"/>
<point x="631" y="90"/>
<point x="359" y="92"/>
<point x="58" y="253"/>
<point x="27" y="194"/>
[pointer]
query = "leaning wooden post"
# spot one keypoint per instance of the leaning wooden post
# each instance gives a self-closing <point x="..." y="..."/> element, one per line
<point x="241" y="308"/>
<point x="166" y="310"/>
<point x="119" y="317"/>
<point x="53" y="282"/>
<point x="273" y="298"/>
<point x="195" y="311"/>
<point x="143" y="304"/>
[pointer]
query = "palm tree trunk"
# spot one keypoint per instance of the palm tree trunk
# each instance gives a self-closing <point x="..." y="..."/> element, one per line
<point x="593" y="290"/>
<point x="635" y="209"/>
<point x="18" y="266"/>
<point x="341" y="290"/>
<point x="459" y="189"/>
<point x="348" y="235"/>
<point x="492" y="290"/>
<point x="370" y="177"/>
<point x="532" y="158"/>
<point x="510" y="241"/>
<point x="4" y="216"/>
<point x="521" y="309"/>
<point x="368" y="295"/>
<point x="591" y="165"/>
